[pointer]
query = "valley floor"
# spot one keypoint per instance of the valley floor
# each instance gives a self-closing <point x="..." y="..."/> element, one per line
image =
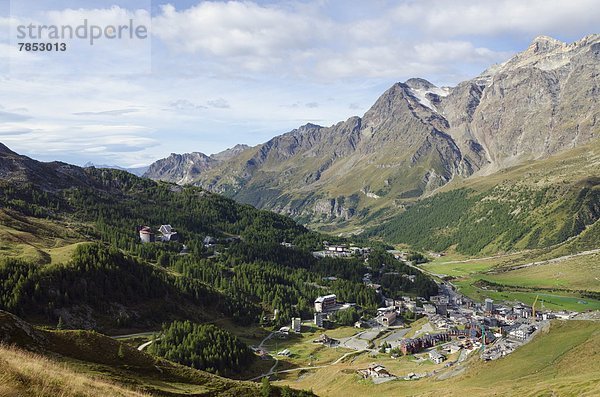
<point x="559" y="362"/>
<point x="569" y="282"/>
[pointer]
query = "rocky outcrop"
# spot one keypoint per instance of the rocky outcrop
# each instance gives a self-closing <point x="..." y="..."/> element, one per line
<point x="180" y="168"/>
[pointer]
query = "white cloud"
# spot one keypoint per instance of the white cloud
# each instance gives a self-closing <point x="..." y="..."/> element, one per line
<point x="252" y="58"/>
<point x="218" y="103"/>
<point x="114" y="112"/>
<point x="437" y="52"/>
<point x="254" y="38"/>
<point x="494" y="17"/>
<point x="234" y="29"/>
<point x="11" y="130"/>
<point x="12" y="116"/>
<point x="185" y="105"/>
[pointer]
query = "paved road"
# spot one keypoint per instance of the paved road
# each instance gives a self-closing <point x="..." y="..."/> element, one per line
<point x="272" y="369"/>
<point x="396" y="336"/>
<point x="145" y="345"/>
<point x="140" y="334"/>
<point x="271" y="372"/>
<point x="262" y="342"/>
<point x="361" y="340"/>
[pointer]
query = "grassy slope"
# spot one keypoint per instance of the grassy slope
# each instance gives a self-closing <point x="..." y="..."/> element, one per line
<point x="559" y="283"/>
<point x="92" y="359"/>
<point x="28" y="374"/>
<point x="561" y="362"/>
<point x="579" y="273"/>
<point x="528" y="206"/>
<point x="35" y="239"/>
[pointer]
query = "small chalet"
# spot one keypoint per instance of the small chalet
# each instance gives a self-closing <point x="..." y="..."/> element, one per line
<point x="374" y="371"/>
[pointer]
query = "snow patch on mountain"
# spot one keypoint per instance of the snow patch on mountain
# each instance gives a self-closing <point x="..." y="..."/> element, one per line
<point x="421" y="95"/>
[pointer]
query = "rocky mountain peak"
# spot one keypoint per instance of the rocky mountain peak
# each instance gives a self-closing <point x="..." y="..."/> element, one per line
<point x="544" y="44"/>
<point x="419" y="84"/>
<point x="546" y="54"/>
<point x="417" y="137"/>
<point x="182" y="168"/>
<point x="5" y="150"/>
<point x="589" y="39"/>
<point x="309" y="126"/>
<point x="229" y="153"/>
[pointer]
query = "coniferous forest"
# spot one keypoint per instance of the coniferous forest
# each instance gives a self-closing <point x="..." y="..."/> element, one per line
<point x="202" y="346"/>
<point x="246" y="273"/>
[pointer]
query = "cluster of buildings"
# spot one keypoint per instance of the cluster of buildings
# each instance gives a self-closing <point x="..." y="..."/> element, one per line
<point x="341" y="251"/>
<point x="326" y="306"/>
<point x="415" y="345"/>
<point x="394" y="308"/>
<point x="500" y="328"/>
<point x="166" y="233"/>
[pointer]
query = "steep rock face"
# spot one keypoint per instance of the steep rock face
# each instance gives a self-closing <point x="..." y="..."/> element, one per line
<point x="186" y="168"/>
<point x="540" y="102"/>
<point x="418" y="137"/>
<point x="180" y="168"/>
<point x="399" y="145"/>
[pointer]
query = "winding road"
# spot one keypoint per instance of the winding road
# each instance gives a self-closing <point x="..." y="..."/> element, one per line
<point x="283" y="371"/>
<point x="145" y="345"/>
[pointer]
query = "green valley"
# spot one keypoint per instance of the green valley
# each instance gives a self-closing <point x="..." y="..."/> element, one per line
<point x="445" y="243"/>
<point x="561" y="360"/>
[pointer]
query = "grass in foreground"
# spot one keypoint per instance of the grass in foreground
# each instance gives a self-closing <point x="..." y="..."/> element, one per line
<point x="28" y="374"/>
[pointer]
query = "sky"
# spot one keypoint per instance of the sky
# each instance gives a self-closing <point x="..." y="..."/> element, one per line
<point x="212" y="74"/>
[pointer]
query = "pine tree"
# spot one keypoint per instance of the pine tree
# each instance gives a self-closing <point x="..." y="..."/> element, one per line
<point x="265" y="388"/>
<point x="60" y="324"/>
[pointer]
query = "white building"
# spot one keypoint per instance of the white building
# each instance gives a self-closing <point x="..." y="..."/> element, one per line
<point x="296" y="324"/>
<point x="168" y="234"/>
<point x="325" y="303"/>
<point x="521" y="332"/>
<point x="489" y="305"/>
<point x="375" y="371"/>
<point x="436" y="357"/>
<point x="386" y="318"/>
<point x="319" y="320"/>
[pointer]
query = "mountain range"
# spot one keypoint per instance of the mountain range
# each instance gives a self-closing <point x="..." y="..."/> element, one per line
<point x="414" y="140"/>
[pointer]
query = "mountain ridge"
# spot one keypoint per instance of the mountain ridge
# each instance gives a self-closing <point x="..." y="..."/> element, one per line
<point x="417" y="137"/>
